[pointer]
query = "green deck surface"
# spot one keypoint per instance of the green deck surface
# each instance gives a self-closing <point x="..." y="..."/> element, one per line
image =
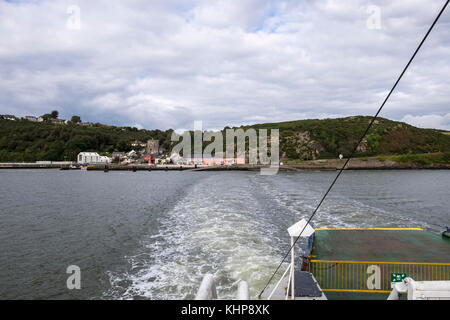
<point x="345" y="261"/>
<point x="381" y="246"/>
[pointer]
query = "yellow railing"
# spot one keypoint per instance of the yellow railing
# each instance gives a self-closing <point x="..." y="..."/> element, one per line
<point x="369" y="276"/>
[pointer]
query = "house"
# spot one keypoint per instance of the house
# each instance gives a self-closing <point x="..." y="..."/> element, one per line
<point x="138" y="143"/>
<point x="217" y="160"/>
<point x="118" y="156"/>
<point x="92" y="157"/>
<point x="132" y="154"/>
<point x="8" y="117"/>
<point x="151" y="158"/>
<point x="105" y="159"/>
<point x="88" y="157"/>
<point x="175" y="158"/>
<point x="57" y="121"/>
<point x="31" y="118"/>
<point x="148" y="158"/>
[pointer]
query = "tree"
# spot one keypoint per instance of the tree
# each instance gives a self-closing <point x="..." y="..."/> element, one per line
<point x="46" y="116"/>
<point x="76" y="119"/>
<point x="54" y="114"/>
<point x="55" y="152"/>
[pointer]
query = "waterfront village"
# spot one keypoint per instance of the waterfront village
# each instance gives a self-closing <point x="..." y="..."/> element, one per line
<point x="148" y="152"/>
<point x="151" y="153"/>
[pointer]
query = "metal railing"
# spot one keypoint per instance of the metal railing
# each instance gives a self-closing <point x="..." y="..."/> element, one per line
<point x="371" y="276"/>
<point x="289" y="268"/>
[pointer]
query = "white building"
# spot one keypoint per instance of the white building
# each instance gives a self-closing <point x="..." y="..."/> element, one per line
<point x="8" y="117"/>
<point x="31" y="118"/>
<point x="105" y="159"/>
<point x="91" y="157"/>
<point x="131" y="154"/>
<point x="175" y="158"/>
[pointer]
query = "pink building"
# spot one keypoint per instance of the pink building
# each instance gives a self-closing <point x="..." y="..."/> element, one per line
<point x="212" y="161"/>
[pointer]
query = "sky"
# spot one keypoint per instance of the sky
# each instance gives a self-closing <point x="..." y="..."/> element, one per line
<point x="165" y="64"/>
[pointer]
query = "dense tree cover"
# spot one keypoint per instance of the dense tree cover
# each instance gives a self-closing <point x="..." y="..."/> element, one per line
<point x="25" y="141"/>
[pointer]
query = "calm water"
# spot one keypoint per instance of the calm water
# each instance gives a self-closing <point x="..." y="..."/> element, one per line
<point x="155" y="234"/>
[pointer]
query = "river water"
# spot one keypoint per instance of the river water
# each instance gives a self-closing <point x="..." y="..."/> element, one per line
<point x="153" y="235"/>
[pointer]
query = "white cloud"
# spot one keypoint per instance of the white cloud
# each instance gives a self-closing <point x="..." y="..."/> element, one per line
<point x="429" y="121"/>
<point x="165" y="64"/>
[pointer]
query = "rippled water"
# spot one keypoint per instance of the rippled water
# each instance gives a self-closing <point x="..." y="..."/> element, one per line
<point x="155" y="234"/>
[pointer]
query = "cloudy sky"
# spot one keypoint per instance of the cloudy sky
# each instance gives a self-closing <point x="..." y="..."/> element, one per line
<point x="164" y="64"/>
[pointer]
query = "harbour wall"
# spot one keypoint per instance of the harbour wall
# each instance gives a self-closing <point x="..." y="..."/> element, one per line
<point x="321" y="165"/>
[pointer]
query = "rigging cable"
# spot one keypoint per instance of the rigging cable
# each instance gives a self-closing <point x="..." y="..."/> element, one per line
<point x="360" y="140"/>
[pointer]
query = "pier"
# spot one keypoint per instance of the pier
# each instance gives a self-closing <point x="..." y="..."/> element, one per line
<point x="315" y="165"/>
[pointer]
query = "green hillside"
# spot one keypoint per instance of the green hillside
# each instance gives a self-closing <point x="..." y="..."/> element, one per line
<point x="321" y="139"/>
<point x="25" y="141"/>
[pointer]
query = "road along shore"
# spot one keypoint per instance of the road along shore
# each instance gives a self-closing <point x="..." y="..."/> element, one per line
<point x="321" y="165"/>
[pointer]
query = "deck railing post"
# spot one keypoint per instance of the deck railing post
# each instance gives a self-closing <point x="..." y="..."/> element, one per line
<point x="207" y="290"/>
<point x="279" y="281"/>
<point x="292" y="270"/>
<point x="242" y="293"/>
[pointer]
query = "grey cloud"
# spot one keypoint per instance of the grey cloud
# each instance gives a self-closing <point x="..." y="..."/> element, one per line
<point x="161" y="64"/>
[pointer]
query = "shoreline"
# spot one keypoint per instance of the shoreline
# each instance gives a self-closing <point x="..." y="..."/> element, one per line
<point x="313" y="165"/>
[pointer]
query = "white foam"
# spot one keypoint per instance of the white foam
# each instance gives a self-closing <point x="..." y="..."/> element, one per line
<point x="214" y="229"/>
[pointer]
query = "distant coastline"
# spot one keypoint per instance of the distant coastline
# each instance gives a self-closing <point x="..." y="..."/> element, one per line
<point x="372" y="163"/>
<point x="300" y="141"/>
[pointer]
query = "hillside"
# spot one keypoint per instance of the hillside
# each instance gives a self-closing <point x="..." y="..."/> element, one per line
<point x="324" y="139"/>
<point x="25" y="141"/>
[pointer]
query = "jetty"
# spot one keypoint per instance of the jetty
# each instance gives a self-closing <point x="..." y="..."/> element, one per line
<point x="371" y="163"/>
